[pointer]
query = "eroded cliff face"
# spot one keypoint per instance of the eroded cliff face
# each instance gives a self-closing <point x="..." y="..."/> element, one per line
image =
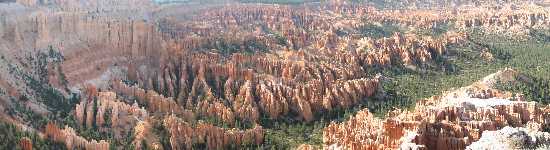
<point x="303" y="71"/>
<point x="233" y="64"/>
<point x="451" y="121"/>
<point x="93" y="37"/>
<point x="75" y="5"/>
<point x="126" y="119"/>
<point x="512" y="19"/>
<point x="98" y="46"/>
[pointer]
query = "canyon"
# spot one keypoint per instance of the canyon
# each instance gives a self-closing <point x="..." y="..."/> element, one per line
<point x="133" y="74"/>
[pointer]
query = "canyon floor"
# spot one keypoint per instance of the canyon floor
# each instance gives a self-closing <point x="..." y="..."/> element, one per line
<point x="274" y="74"/>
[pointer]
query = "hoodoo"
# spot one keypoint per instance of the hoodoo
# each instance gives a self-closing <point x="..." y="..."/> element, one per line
<point x="274" y="74"/>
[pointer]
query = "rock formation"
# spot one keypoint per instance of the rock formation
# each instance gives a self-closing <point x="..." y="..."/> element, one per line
<point x="25" y="144"/>
<point x="512" y="138"/>
<point x="123" y="117"/>
<point x="144" y="136"/>
<point x="138" y="63"/>
<point x="72" y="140"/>
<point x="453" y="120"/>
<point x="510" y="19"/>
<point x="155" y="103"/>
<point x="183" y="135"/>
<point x="409" y="49"/>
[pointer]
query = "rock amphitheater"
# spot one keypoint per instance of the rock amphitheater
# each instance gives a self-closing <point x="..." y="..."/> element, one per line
<point x="203" y="72"/>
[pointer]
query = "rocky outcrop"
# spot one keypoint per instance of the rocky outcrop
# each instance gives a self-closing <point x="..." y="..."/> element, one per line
<point x="451" y="121"/>
<point x="145" y="138"/>
<point x="90" y="43"/>
<point x="72" y="140"/>
<point x="25" y="143"/>
<point x="123" y="117"/>
<point x="183" y="135"/>
<point x="512" y="138"/>
<point x="409" y="49"/>
<point x="244" y="105"/>
<point x="425" y="19"/>
<point x="528" y="15"/>
<point x="155" y="103"/>
<point x="253" y="96"/>
<point x="509" y="19"/>
<point x="341" y="135"/>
